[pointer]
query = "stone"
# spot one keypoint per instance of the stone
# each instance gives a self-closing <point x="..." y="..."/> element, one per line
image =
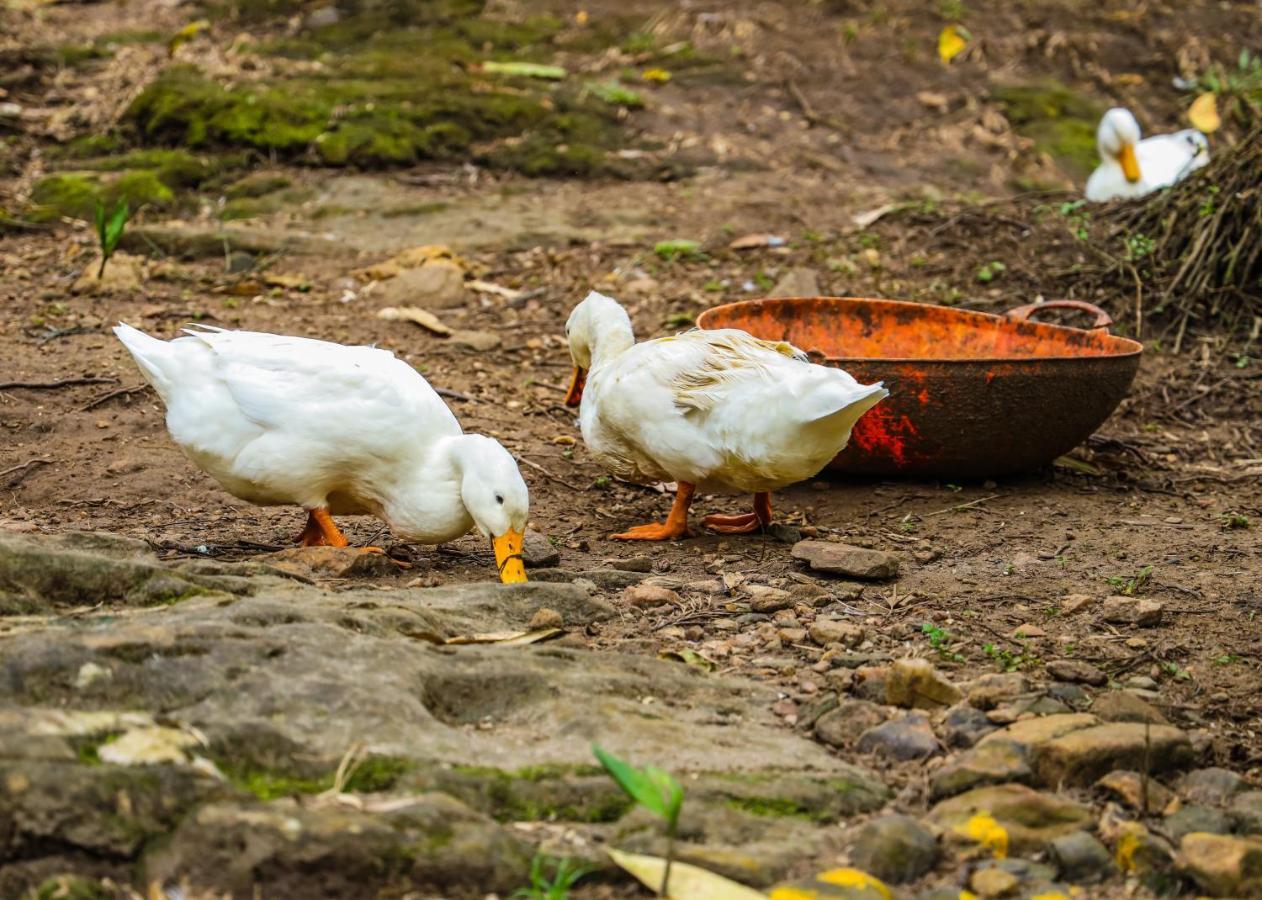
<point x="1029" y="630"/>
<point x="846" y="560"/>
<point x="1124" y="706"/>
<point x="895" y="849"/>
<point x="797" y="282"/>
<point x="1223" y="866"/>
<point x="1139" y="852"/>
<point x="916" y="684"/>
<point x="869" y="683"/>
<point x="993" y="882"/>
<point x="964" y="726"/>
<point x="907" y="738"/>
<point x="545" y="618"/>
<point x="438" y="284"/>
<point x="1128" y="787"/>
<point x="537" y="551"/>
<point x="1072" y="603"/>
<point x="1067" y="693"/>
<point x="765" y="599"/>
<point x="1076" y="671"/>
<point x="1031" y="820"/>
<point x="1038" y="731"/>
<point x="836" y="631"/>
<point x="331" y="562"/>
<point x="147" y="746"/>
<point x="124" y="273"/>
<point x="996" y="688"/>
<point x="785" y="534"/>
<point x="1080" y="858"/>
<point x="1212" y="786"/>
<point x="479" y="341"/>
<point x="1245" y="810"/>
<point x="602" y="579"/>
<point x="632" y="564"/>
<point x="810" y="594"/>
<point x="841" y="727"/>
<point x="1192" y="818"/>
<point x="650" y="595"/>
<point x="996" y="762"/>
<point x="1121" y="610"/>
<point x="1081" y="757"/>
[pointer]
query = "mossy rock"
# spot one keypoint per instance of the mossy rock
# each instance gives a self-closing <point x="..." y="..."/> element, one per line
<point x="257" y="184"/>
<point x="72" y="887"/>
<point x="532" y="794"/>
<point x="174" y="168"/>
<point x="1060" y="121"/>
<point x="77" y="194"/>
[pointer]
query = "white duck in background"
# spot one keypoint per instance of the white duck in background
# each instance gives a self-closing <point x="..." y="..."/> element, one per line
<point x="1130" y="167"/>
<point x="335" y="430"/>
<point x="715" y="410"/>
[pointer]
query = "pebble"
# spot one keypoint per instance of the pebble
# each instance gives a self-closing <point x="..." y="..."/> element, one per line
<point x="916" y="684"/>
<point x="632" y="564"/>
<point x="995" y="762"/>
<point x="992" y="882"/>
<point x="545" y="618"/>
<point x="869" y="683"/>
<point x="907" y="738"/>
<point x="835" y="631"/>
<point x="993" y="689"/>
<point x="964" y="726"/>
<point x="839" y="727"/>
<point x="1082" y="756"/>
<point x="1246" y="812"/>
<point x="537" y="551"/>
<point x="1080" y="858"/>
<point x="768" y="599"/>
<point x="1123" y="706"/>
<point x="894" y="848"/>
<point x="1077" y="671"/>
<point x="1211" y="786"/>
<point x="1072" y="603"/>
<point x="1121" y="610"/>
<point x="1223" y="866"/>
<point x="846" y="560"/>
<point x="1192" y="818"/>
<point x="649" y="595"/>
<point x="1128" y="787"/>
<point x="1029" y="819"/>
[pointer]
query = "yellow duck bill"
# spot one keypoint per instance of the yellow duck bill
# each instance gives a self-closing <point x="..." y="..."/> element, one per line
<point x="1130" y="165"/>
<point x="508" y="559"/>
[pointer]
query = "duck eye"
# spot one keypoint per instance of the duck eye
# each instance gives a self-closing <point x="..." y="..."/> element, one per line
<point x="499" y="499"/>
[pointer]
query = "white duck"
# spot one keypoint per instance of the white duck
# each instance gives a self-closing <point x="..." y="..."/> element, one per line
<point x="716" y="410"/>
<point x="335" y="430"/>
<point x="1130" y="167"/>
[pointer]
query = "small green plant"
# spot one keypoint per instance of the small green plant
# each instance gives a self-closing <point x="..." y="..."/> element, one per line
<point x="681" y="248"/>
<point x="653" y="789"/>
<point x="1008" y="661"/>
<point x="1176" y="671"/>
<point x="109" y="230"/>
<point x="713" y="286"/>
<point x="602" y="482"/>
<point x="615" y="94"/>
<point x="1079" y="222"/>
<point x="1130" y="585"/>
<point x="1225" y="659"/>
<point x="990" y="271"/>
<point x="678" y="320"/>
<point x="1208" y="206"/>
<point x="1239" y="88"/>
<point x="939" y="639"/>
<point x="1235" y="520"/>
<point x="1138" y="246"/>
<point x="764" y="281"/>
<point x="952" y="10"/>
<point x="565" y="874"/>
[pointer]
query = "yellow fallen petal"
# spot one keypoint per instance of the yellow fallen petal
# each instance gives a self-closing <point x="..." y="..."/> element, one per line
<point x="793" y="893"/>
<point x="983" y="829"/>
<point x="661" y="76"/>
<point x="854" y="878"/>
<point x="1203" y="113"/>
<point x="951" y="42"/>
<point x="686" y="882"/>
<point x="185" y="34"/>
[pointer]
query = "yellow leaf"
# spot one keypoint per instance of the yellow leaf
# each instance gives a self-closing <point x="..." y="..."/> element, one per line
<point x="186" y="34"/>
<point x="660" y="76"/>
<point x="1203" y="113"/>
<point x="686" y="882"/>
<point x="984" y="830"/>
<point x="856" y="879"/>
<point x="843" y="882"/>
<point x="951" y="42"/>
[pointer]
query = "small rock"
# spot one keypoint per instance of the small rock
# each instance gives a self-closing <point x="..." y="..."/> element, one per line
<point x="330" y="562"/>
<point x="916" y="684"/>
<point x="1038" y="731"/>
<point x="545" y="618"/>
<point x="481" y="341"/>
<point x="835" y="631"/>
<point x="846" y="560"/>
<point x="1212" y="786"/>
<point x="1081" y="757"/>
<point x="869" y="683"/>
<point x="649" y="595"/>
<point x="148" y="746"/>
<point x="964" y="726"/>
<point x="995" y="762"/>
<point x="632" y="564"/>
<point x="816" y="707"/>
<point x="1223" y="866"/>
<point x="798" y="282"/>
<point x="1068" y="693"/>
<point x="792" y="635"/>
<point x="1077" y="671"/>
<point x="894" y="848"/>
<point x="1142" y="683"/>
<point x="438" y="284"/>
<point x="993" y="882"/>
<point x="1080" y="858"/>
<point x="1029" y="630"/>
<point x="1127" y="787"/>
<point x="1121" y="610"/>
<point x="811" y="594"/>
<point x="123" y="273"/>
<point x="993" y="689"/>
<point x="1139" y="852"/>
<point x="1188" y="819"/>
<point x="1123" y="706"/>
<point x="903" y="739"/>
<point x="1030" y="819"/>
<point x="538" y="551"/>
<point x="322" y="17"/>
<point x="599" y="579"/>
<point x="1072" y="603"/>
<point x="1246" y="812"/>
<point x="841" y="726"/>
<point x="765" y="599"/>
<point x="785" y="534"/>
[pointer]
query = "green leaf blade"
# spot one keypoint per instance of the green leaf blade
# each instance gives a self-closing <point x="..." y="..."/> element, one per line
<point x="638" y="785"/>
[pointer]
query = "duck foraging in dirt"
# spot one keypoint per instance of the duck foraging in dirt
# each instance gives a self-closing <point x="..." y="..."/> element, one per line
<point x="1130" y="167"/>
<point x="714" y="410"/>
<point x="336" y="430"/>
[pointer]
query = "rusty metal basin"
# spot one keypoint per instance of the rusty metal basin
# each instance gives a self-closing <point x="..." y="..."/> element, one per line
<point x="972" y="395"/>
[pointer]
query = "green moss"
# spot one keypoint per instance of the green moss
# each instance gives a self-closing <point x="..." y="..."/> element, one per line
<point x="71" y="887"/>
<point x="777" y="807"/>
<point x="533" y="794"/>
<point x="1060" y="121"/>
<point x="256" y="184"/>
<point x="174" y="168"/>
<point x="87" y="146"/>
<point x="79" y="54"/>
<point x="375" y="774"/>
<point x="76" y="194"/>
<point x="87" y="748"/>
<point x="132" y="36"/>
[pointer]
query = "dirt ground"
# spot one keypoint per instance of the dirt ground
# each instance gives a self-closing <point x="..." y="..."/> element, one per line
<point x="1164" y="502"/>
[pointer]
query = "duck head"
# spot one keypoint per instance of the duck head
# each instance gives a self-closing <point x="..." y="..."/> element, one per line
<point x="493" y="492"/>
<point x="598" y="327"/>
<point x="1116" y="139"/>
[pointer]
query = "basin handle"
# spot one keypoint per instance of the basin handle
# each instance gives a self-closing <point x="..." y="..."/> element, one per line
<point x="1102" y="319"/>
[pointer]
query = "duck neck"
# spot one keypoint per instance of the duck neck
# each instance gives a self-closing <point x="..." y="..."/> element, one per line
<point x="612" y="333"/>
<point x="428" y="507"/>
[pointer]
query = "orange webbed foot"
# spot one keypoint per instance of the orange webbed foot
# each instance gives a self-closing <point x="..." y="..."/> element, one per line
<point x="743" y="524"/>
<point x="654" y="531"/>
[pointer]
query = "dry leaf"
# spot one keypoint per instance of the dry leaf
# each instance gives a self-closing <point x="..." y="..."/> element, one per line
<point x="186" y="34"/>
<point x="751" y="241"/>
<point x="509" y="638"/>
<point x="952" y="41"/>
<point x="689" y="657"/>
<point x="864" y="219"/>
<point x="687" y="882"/>
<point x="488" y="287"/>
<point x="1203" y="113"/>
<point x="284" y="280"/>
<point x="933" y="100"/>
<point x="422" y="317"/>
